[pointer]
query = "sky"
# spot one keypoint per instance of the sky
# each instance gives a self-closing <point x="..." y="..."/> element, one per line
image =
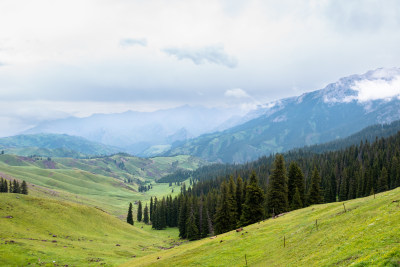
<point x="75" y="58"/>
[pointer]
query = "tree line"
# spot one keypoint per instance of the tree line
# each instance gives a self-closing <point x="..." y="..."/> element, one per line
<point x="13" y="186"/>
<point x="277" y="184"/>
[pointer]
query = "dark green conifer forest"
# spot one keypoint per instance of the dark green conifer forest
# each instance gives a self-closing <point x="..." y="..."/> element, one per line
<point x="224" y="197"/>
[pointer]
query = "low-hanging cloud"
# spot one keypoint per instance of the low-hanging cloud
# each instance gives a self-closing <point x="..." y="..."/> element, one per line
<point x="236" y="93"/>
<point x="133" y="42"/>
<point x="210" y="54"/>
<point x="377" y="89"/>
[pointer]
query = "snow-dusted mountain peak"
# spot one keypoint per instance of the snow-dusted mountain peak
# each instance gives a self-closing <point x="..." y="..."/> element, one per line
<point x="382" y="83"/>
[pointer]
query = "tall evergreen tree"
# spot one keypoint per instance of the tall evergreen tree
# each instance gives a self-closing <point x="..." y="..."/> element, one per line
<point x="239" y="197"/>
<point x="252" y="210"/>
<point x="183" y="215"/>
<point x="192" y="231"/>
<point x="24" y="188"/>
<point x="383" y="181"/>
<point x="295" y="180"/>
<point x="139" y="212"/>
<point x="146" y="214"/>
<point x="232" y="203"/>
<point x="277" y="197"/>
<point x="223" y="215"/>
<point x="129" y="218"/>
<point x="296" y="200"/>
<point x="151" y="209"/>
<point x="314" y="196"/>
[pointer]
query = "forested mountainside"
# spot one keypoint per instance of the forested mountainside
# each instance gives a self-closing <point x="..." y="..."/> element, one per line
<point x="337" y="111"/>
<point x="273" y="185"/>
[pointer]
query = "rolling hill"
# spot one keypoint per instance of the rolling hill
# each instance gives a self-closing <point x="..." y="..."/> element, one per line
<point x="42" y="231"/>
<point x="99" y="182"/>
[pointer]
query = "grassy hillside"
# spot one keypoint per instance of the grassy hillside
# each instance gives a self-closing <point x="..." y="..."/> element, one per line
<point x="367" y="234"/>
<point x="96" y="182"/>
<point x="37" y="231"/>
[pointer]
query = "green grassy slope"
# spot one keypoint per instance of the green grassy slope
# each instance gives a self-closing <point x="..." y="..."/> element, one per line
<point x="37" y="231"/>
<point x="368" y="234"/>
<point x="95" y="182"/>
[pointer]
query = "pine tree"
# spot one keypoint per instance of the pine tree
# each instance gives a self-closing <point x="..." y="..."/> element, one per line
<point x="296" y="200"/>
<point x="232" y="203"/>
<point x="183" y="215"/>
<point x="204" y="220"/>
<point x="192" y="231"/>
<point x="383" y="181"/>
<point x="295" y="180"/>
<point x="239" y="197"/>
<point x="129" y="218"/>
<point x="277" y="198"/>
<point x="24" y="188"/>
<point x="314" y="196"/>
<point x="252" y="210"/>
<point x="146" y="215"/>
<point x="16" y="187"/>
<point x="151" y="209"/>
<point x="139" y="211"/>
<point x="223" y="215"/>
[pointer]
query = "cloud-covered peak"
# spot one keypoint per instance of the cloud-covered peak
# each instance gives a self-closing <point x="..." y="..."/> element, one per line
<point x="207" y="54"/>
<point x="382" y="83"/>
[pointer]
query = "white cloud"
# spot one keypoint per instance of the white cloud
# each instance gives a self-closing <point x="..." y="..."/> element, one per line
<point x="377" y="89"/>
<point x="211" y="54"/>
<point x="237" y="93"/>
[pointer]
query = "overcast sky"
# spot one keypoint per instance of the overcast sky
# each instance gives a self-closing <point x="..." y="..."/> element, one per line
<point x="62" y="58"/>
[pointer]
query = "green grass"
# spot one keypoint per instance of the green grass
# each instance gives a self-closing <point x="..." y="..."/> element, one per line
<point x="43" y="230"/>
<point x="97" y="182"/>
<point x="368" y="234"/>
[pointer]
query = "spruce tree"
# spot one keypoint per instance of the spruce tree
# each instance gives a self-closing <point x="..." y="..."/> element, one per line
<point x="223" y="215"/>
<point x="139" y="211"/>
<point x="277" y="197"/>
<point x="239" y="197"/>
<point x="314" y="196"/>
<point x="146" y="215"/>
<point x="232" y="203"/>
<point x="296" y="200"/>
<point x="183" y="215"/>
<point x="151" y="209"/>
<point x="383" y="181"/>
<point x="129" y="218"/>
<point x="192" y="231"/>
<point x="252" y="210"/>
<point x="295" y="180"/>
<point x="24" y="188"/>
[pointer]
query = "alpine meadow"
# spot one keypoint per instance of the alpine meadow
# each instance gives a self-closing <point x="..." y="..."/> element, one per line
<point x="199" y="133"/>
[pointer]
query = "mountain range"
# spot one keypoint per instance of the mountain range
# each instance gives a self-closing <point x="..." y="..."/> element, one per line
<point x="337" y="111"/>
<point x="226" y="135"/>
<point x="144" y="133"/>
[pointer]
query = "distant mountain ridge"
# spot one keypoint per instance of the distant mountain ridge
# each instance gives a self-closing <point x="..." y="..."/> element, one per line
<point x="54" y="145"/>
<point x="337" y="111"/>
<point x="144" y="133"/>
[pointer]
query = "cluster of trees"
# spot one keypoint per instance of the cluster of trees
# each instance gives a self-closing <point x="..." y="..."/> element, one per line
<point x="13" y="186"/>
<point x="305" y="178"/>
<point x="276" y="184"/>
<point x="142" y="214"/>
<point x="178" y="176"/>
<point x="145" y="188"/>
